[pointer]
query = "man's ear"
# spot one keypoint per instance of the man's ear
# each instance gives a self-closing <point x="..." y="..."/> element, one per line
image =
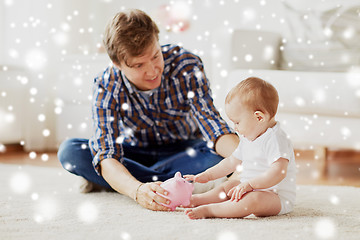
<point x="260" y="116"/>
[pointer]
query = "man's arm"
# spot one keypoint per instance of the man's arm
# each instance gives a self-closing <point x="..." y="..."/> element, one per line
<point x="212" y="126"/>
<point x="107" y="153"/>
<point x="121" y="180"/>
<point x="226" y="144"/>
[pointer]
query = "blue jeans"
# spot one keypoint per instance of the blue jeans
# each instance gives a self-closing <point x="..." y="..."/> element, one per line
<point x="146" y="164"/>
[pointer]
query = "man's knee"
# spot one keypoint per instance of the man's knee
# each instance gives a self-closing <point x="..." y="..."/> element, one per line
<point x="66" y="152"/>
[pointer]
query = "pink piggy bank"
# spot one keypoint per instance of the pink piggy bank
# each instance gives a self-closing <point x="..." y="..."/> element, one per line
<point x="179" y="191"/>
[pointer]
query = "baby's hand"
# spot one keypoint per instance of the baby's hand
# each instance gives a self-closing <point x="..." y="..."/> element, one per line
<point x="238" y="192"/>
<point x="189" y="177"/>
<point x="200" y="178"/>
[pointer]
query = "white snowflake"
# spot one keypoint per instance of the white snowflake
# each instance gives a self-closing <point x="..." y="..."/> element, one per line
<point x="36" y="59"/>
<point x="46" y="209"/>
<point x="222" y="195"/>
<point x="46" y="132"/>
<point x="325" y="228"/>
<point x="334" y="199"/>
<point x="248" y="57"/>
<point x="190" y="94"/>
<point x="87" y="212"/>
<point x="239" y="168"/>
<point x="125" y="236"/>
<point x="20" y="183"/>
<point x="44" y="157"/>
<point x="2" y="148"/>
<point x="227" y="235"/>
<point x="32" y="155"/>
<point x="34" y="196"/>
<point x="191" y="152"/>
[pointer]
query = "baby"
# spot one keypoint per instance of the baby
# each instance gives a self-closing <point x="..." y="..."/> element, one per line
<point x="264" y="156"/>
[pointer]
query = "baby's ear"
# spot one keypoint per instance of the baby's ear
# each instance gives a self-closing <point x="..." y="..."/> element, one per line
<point x="260" y="116"/>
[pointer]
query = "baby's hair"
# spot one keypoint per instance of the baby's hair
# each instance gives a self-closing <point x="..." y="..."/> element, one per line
<point x="256" y="94"/>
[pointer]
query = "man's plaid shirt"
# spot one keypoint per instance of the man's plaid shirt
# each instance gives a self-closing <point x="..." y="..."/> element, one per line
<point x="180" y="109"/>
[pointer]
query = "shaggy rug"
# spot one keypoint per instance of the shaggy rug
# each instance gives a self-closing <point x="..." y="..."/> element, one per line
<point x="41" y="203"/>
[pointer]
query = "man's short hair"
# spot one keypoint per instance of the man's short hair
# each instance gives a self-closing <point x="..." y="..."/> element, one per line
<point x="129" y="34"/>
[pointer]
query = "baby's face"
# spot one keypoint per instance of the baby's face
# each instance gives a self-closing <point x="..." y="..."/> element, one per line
<point x="245" y="121"/>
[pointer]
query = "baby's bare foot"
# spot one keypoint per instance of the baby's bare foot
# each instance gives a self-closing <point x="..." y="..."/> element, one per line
<point x="197" y="213"/>
<point x="190" y="213"/>
<point x="193" y="202"/>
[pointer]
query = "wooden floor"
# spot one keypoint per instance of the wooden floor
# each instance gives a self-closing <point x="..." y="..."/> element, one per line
<point x="343" y="166"/>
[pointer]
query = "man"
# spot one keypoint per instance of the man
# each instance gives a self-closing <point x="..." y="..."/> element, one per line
<point x="151" y="111"/>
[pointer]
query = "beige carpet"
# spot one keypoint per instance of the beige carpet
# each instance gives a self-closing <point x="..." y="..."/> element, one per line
<point x="40" y="203"/>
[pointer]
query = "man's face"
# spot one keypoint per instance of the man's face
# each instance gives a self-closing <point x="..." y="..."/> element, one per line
<point x="145" y="71"/>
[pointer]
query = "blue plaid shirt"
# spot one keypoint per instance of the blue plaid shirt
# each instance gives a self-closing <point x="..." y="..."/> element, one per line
<point x="180" y="109"/>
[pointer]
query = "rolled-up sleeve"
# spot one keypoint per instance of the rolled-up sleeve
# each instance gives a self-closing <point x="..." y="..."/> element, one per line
<point x="211" y="124"/>
<point x="105" y="114"/>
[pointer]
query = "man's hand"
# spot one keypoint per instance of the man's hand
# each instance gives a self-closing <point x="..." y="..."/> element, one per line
<point x="148" y="198"/>
<point x="123" y="182"/>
